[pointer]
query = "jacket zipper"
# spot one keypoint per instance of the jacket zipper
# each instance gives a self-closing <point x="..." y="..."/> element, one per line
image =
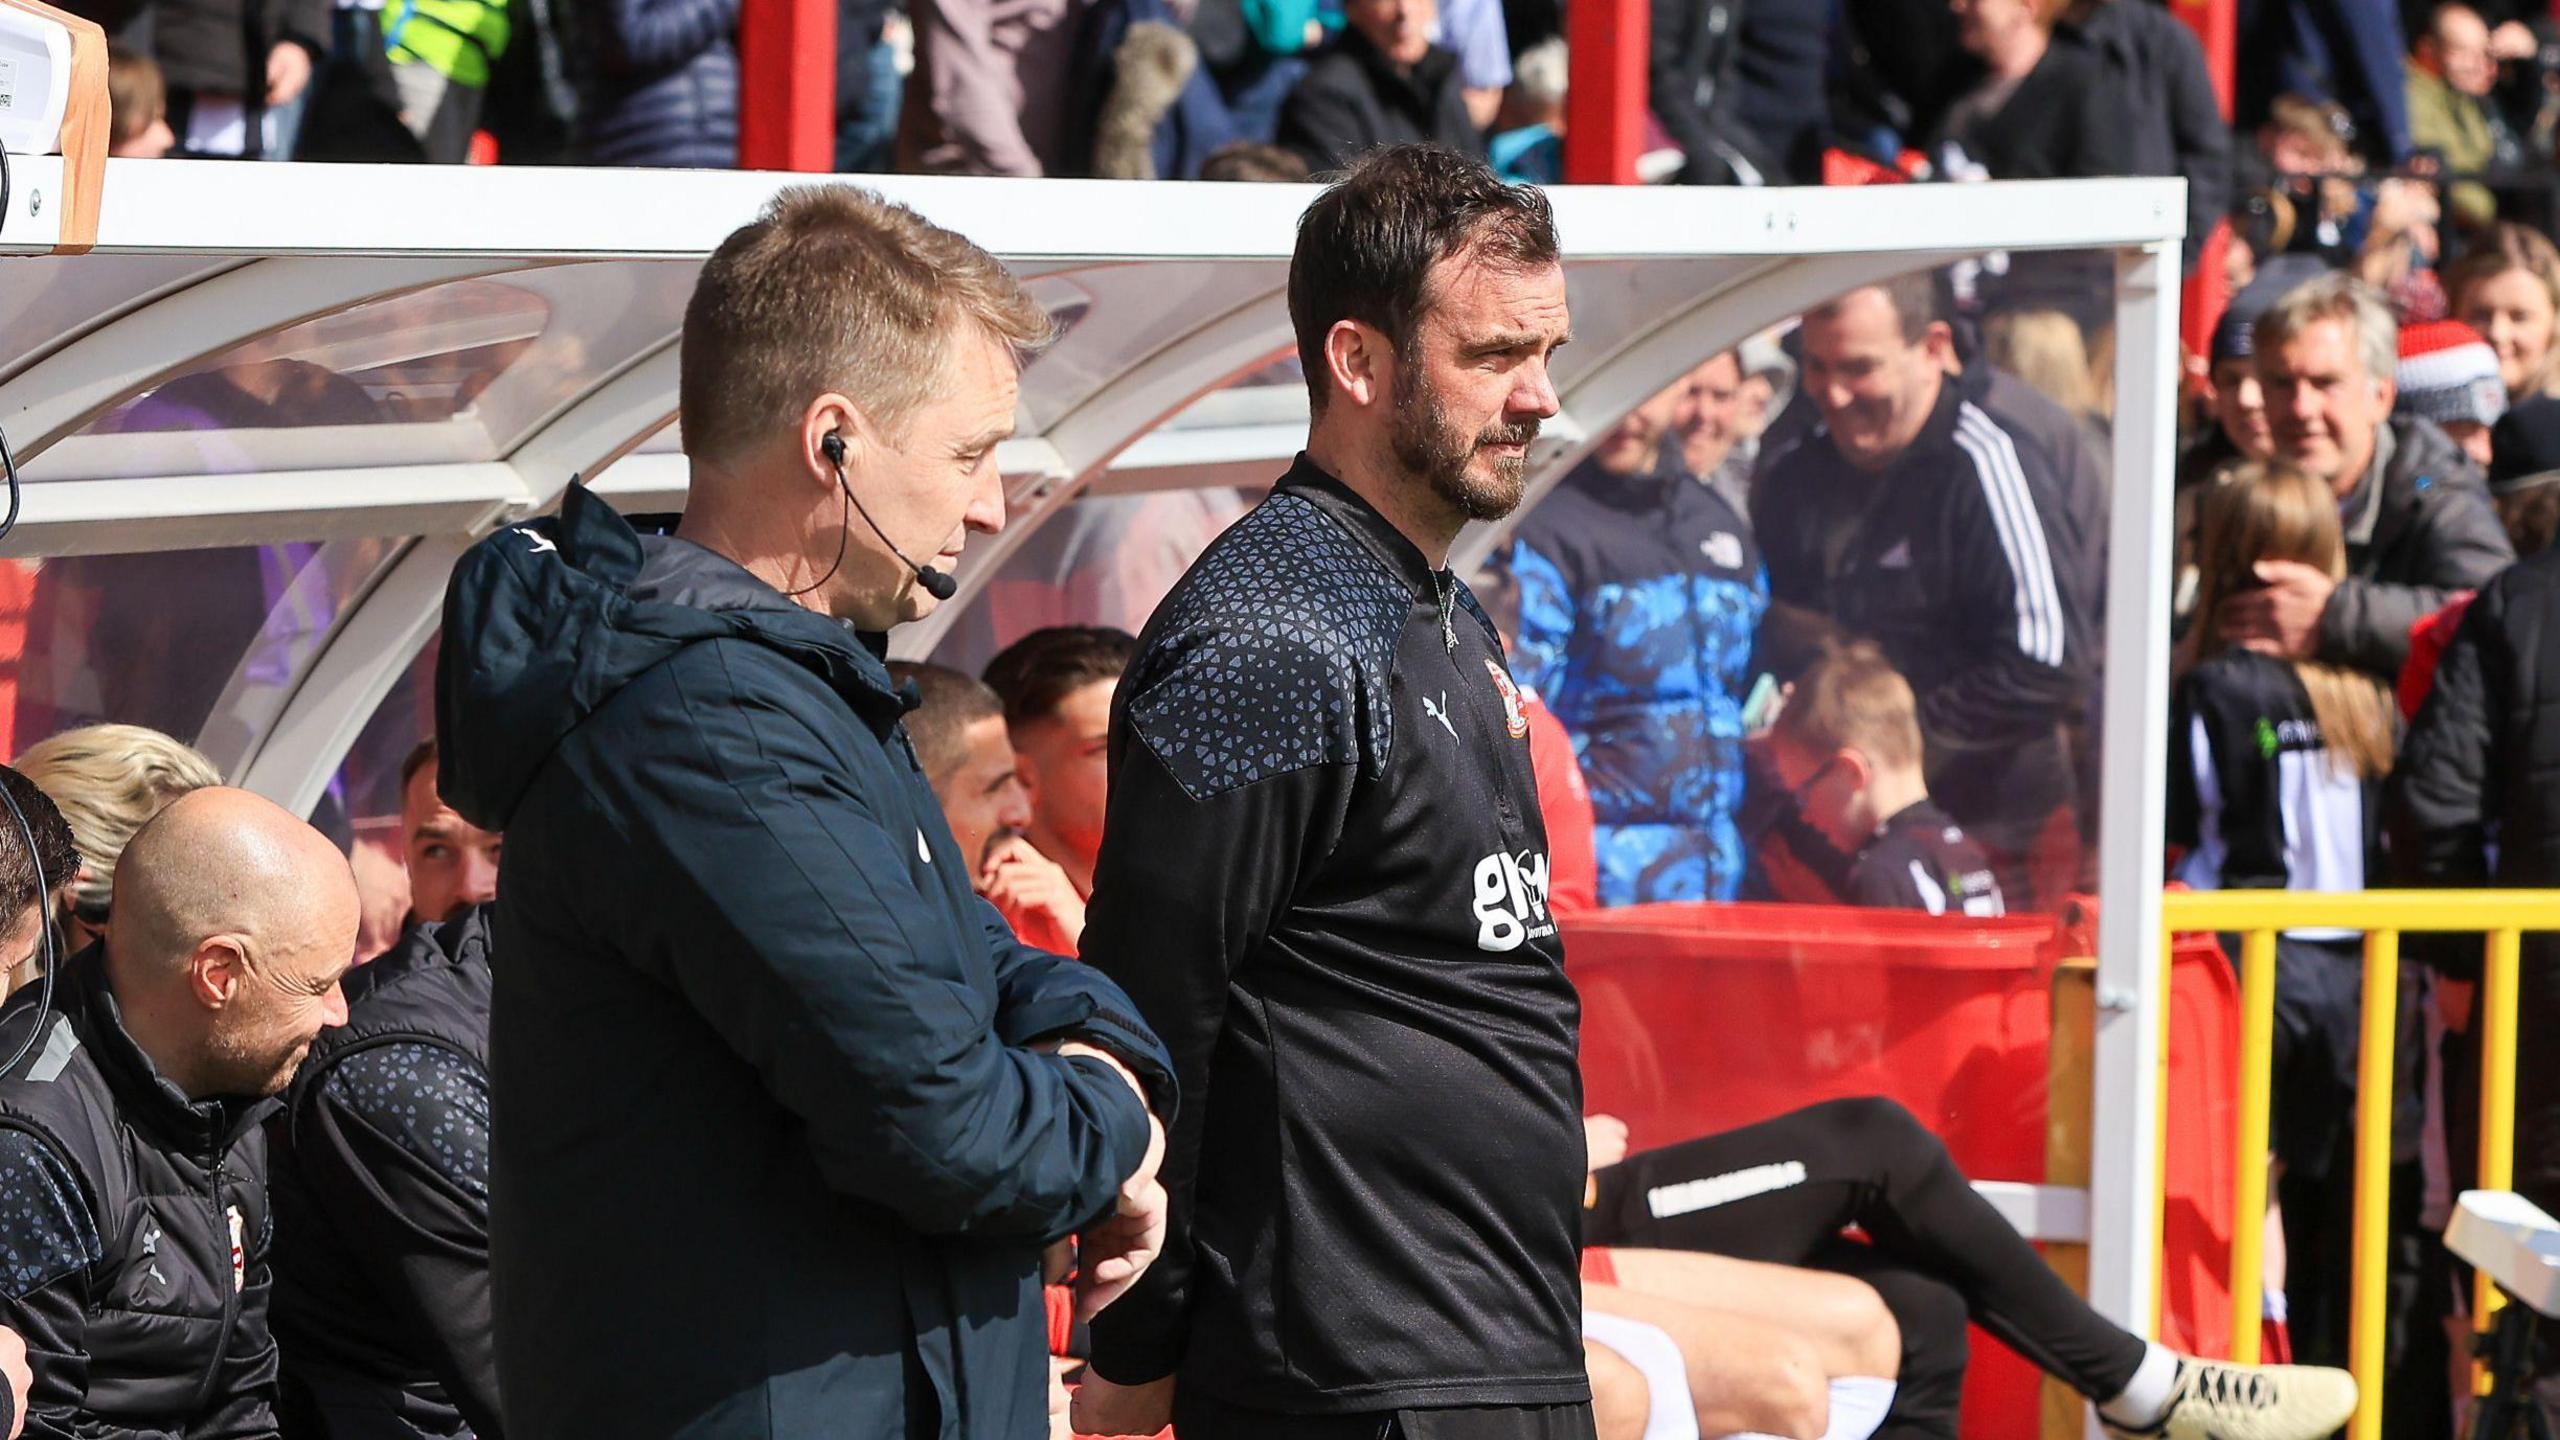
<point x="1447" y="586"/>
<point x="230" y="1297"/>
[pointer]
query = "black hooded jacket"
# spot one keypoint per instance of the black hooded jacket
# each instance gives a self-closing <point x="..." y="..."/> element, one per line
<point x="777" y="1155"/>
<point x="382" y="1199"/>
<point x="133" y="1232"/>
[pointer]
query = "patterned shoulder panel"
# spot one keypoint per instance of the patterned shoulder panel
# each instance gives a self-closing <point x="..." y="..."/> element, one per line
<point x="1273" y="655"/>
<point x="427" y="1100"/>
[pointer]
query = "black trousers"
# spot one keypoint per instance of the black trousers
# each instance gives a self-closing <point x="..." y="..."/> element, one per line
<point x="1783" y="1190"/>
<point x="1199" y="1417"/>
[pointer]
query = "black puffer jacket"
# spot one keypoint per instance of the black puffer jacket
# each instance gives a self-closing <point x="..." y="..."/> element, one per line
<point x="657" y="81"/>
<point x="133" y="1233"/>
<point x="382" y="1197"/>
<point x="2436" y="534"/>
<point x="2483" y="760"/>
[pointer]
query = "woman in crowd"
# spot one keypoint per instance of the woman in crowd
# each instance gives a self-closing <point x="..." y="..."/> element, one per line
<point x="2508" y="289"/>
<point x="108" y="781"/>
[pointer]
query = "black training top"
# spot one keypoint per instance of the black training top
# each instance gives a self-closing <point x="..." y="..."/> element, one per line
<point x="1323" y="879"/>
<point x="1922" y="860"/>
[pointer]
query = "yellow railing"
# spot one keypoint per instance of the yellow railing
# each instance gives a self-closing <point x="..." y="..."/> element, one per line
<point x="2383" y="915"/>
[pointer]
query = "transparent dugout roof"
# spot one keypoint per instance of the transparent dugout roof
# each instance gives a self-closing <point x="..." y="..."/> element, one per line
<point x="345" y="373"/>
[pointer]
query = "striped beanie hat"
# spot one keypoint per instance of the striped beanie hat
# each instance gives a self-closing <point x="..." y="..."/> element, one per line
<point x="2448" y="374"/>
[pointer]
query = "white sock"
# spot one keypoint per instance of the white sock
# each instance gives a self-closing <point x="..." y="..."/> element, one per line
<point x="2144" y="1401"/>
<point x="1858" y="1406"/>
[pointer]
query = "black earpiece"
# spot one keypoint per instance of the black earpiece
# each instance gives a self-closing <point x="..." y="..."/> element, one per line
<point x="936" y="583"/>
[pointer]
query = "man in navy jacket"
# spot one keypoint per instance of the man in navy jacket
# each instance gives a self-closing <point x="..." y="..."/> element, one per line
<point x="790" y="1120"/>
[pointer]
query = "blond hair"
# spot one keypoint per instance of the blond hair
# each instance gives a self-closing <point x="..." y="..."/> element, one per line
<point x="2510" y="247"/>
<point x="2274" y="511"/>
<point x="1853" y="698"/>
<point x="2046" y="349"/>
<point x="108" y="781"/>
<point x="833" y="288"/>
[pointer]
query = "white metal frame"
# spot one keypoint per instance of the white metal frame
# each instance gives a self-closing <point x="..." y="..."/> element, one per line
<point x="310" y="239"/>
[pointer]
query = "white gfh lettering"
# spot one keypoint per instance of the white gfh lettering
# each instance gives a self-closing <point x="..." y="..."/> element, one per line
<point x="1511" y="901"/>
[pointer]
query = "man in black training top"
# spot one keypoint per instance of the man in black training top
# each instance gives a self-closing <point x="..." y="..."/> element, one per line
<point x="1323" y="879"/>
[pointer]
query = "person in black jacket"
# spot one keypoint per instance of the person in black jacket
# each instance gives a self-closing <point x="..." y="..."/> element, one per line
<point x="133" y="1160"/>
<point x="2419" y="523"/>
<point x="790" y="1121"/>
<point x="1694" y="84"/>
<point x="1382" y="83"/>
<point x="1929" y="514"/>
<point x="2475" y="801"/>
<point x="382" y="1202"/>
<point x="2171" y="120"/>
<point x="2029" y="109"/>
<point x="1324" y="879"/>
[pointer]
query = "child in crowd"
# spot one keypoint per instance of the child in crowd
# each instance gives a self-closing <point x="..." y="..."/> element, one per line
<point x="2273" y="761"/>
<point x="138" y="101"/>
<point x="2273" y="771"/>
<point x="1847" y="748"/>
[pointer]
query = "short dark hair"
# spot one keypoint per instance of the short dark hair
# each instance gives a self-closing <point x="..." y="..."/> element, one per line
<point x="1367" y="246"/>
<point x="55" y="857"/>
<point x="1253" y="161"/>
<point x="948" y="702"/>
<point x="1037" y="673"/>
<point x="1916" y="298"/>
<point x="421" y="755"/>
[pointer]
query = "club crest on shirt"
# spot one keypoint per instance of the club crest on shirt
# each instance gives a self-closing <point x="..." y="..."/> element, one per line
<point x="1514" y="719"/>
<point x="239" y="1251"/>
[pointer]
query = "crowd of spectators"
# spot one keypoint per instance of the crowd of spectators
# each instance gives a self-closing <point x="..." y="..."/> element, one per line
<point x="2337" y="97"/>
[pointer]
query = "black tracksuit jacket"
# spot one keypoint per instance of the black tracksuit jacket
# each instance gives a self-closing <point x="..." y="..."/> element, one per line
<point x="134" y="1232"/>
<point x="1974" y="561"/>
<point x="1323" y="880"/>
<point x="381" y="1185"/>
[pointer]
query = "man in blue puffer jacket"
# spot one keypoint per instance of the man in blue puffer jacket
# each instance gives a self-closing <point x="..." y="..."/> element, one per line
<point x="1640" y="591"/>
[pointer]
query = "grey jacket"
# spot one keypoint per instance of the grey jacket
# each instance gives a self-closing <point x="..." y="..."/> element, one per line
<point x="2435" y="534"/>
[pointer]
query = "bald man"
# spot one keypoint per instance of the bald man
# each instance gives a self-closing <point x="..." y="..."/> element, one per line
<point x="133" y="1166"/>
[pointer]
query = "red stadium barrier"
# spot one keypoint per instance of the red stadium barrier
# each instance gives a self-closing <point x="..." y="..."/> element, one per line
<point x="1698" y="1018"/>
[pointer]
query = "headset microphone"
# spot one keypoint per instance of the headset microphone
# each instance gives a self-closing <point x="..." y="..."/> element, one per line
<point x="938" y="584"/>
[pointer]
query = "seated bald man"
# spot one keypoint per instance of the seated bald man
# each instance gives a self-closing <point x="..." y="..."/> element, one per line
<point x="133" y="1165"/>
